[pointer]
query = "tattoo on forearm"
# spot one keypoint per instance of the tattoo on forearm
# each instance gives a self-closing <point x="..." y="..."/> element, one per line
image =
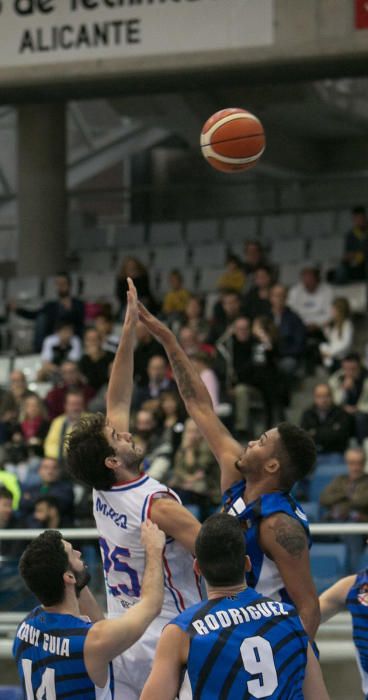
<point x="183" y="377"/>
<point x="290" y="535"/>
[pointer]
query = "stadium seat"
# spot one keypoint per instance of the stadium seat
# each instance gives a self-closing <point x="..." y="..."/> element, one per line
<point x="327" y="249"/>
<point x="317" y="224"/>
<point x="209" y="255"/>
<point x="288" y="274"/>
<point x="363" y="561"/>
<point x="98" y="287"/>
<point x="10" y="692"/>
<point x="240" y="229"/>
<point x="166" y="233"/>
<point x="344" y="221"/>
<point x="288" y="251"/>
<point x="24" y="288"/>
<point x="208" y="278"/>
<point x="201" y="231"/>
<point x="312" y="511"/>
<point x="330" y="459"/>
<point x="5" y="363"/>
<point x="132" y="236"/>
<point x="318" y="482"/>
<point x="142" y="254"/>
<point x="278" y="226"/>
<point x="328" y="563"/>
<point x="96" y="261"/>
<point x="168" y="258"/>
<point x="29" y="364"/>
<point x="356" y="294"/>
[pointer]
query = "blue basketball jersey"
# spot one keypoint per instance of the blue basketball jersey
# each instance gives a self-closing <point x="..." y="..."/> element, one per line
<point x="357" y="604"/>
<point x="48" y="650"/>
<point x="244" y="646"/>
<point x="264" y="575"/>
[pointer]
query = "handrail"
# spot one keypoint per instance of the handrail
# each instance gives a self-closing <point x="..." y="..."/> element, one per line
<point x="89" y="533"/>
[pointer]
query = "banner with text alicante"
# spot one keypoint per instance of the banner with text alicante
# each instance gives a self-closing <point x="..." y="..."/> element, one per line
<point x="36" y="32"/>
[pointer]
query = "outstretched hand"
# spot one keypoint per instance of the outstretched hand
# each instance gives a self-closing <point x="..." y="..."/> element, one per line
<point x="152" y="537"/>
<point x="131" y="315"/>
<point x="153" y="325"/>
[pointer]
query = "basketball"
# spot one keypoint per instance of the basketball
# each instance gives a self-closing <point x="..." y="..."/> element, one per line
<point x="232" y="139"/>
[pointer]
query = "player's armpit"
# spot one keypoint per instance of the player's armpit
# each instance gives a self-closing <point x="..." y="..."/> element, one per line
<point x="176" y="521"/>
<point x="333" y="600"/>
<point x="171" y="656"/>
<point x="284" y="541"/>
<point x="314" y="686"/>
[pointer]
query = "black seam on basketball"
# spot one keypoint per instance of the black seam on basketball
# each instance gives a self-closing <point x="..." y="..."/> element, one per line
<point x="238" y="138"/>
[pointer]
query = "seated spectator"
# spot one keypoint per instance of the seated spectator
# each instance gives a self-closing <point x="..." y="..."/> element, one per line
<point x="338" y="334"/>
<point x="204" y="366"/>
<point x="257" y="300"/>
<point x="34" y="425"/>
<point x="172" y="412"/>
<point x="157" y="382"/>
<point x="95" y="362"/>
<point x="254" y="257"/>
<point x="190" y="342"/>
<point x="291" y="331"/>
<point x="10" y="482"/>
<point x="194" y="318"/>
<point x="158" y="453"/>
<point x="346" y="500"/>
<point x="65" y="309"/>
<point x="349" y="387"/>
<point x="71" y="378"/>
<point x="146" y="348"/>
<point x="11" y="549"/>
<point x="56" y="349"/>
<point x="311" y="299"/>
<point x="54" y="445"/>
<point x="353" y="267"/>
<point x="104" y="326"/>
<point x="329" y="425"/>
<point x="226" y="310"/>
<point x="266" y="377"/>
<point x="46" y="513"/>
<point x="13" y="400"/>
<point x="51" y="483"/>
<point x="195" y="476"/>
<point x="176" y="299"/>
<point x="233" y="279"/>
<point x="134" y="268"/>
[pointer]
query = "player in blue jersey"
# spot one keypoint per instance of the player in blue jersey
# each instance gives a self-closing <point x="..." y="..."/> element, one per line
<point x="59" y="652"/>
<point x="237" y="644"/>
<point x="351" y="593"/>
<point x="256" y="481"/>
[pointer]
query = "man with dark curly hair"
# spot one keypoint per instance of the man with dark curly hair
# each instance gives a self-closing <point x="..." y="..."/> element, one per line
<point x="101" y="453"/>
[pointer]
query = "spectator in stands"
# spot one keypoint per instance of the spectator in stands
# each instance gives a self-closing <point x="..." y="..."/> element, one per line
<point x="265" y="375"/>
<point x="71" y="378"/>
<point x="157" y="382"/>
<point x="254" y="257"/>
<point x="134" y="268"/>
<point x="257" y="299"/>
<point x="13" y="400"/>
<point x="176" y="299"/>
<point x="233" y="278"/>
<point x="158" y="452"/>
<point x="61" y="426"/>
<point x="291" y="332"/>
<point x="329" y="425"/>
<point x="34" y="425"/>
<point x="354" y="263"/>
<point x="339" y="335"/>
<point x="204" y="366"/>
<point x="226" y="311"/>
<point x="146" y="348"/>
<point x="190" y="342"/>
<point x="104" y="326"/>
<point x="349" y="387"/>
<point x="311" y="299"/>
<point x="56" y="349"/>
<point x="65" y="309"/>
<point x="51" y="483"/>
<point x="195" y="475"/>
<point x="46" y="513"/>
<point x="8" y="521"/>
<point x="95" y="362"/>
<point x="194" y="318"/>
<point x="172" y="412"/>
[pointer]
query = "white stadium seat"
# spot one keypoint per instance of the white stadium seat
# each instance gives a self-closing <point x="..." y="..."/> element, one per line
<point x="328" y="249"/>
<point x="29" y="364"/>
<point x="202" y="231"/>
<point x="209" y="255"/>
<point x="96" y="261"/>
<point x="278" y="226"/>
<point x="208" y="279"/>
<point x="24" y="288"/>
<point x="288" y="274"/>
<point x="288" y="251"/>
<point x="356" y="294"/>
<point x="132" y="236"/>
<point x="165" y="233"/>
<point x="98" y="287"/>
<point x="240" y="229"/>
<point x="170" y="258"/>
<point x="143" y="254"/>
<point x="314" y="224"/>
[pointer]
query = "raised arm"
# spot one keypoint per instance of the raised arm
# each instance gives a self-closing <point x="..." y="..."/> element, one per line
<point x="170" y="658"/>
<point x="333" y="600"/>
<point x="197" y="400"/>
<point x="314" y="686"/>
<point x="109" y="638"/>
<point x="284" y="541"/>
<point x="120" y="389"/>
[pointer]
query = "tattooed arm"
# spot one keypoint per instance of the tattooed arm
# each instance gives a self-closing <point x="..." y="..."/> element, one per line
<point x="284" y="541"/>
<point x="197" y="400"/>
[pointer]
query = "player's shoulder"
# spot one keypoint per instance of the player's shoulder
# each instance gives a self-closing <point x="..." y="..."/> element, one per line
<point x="188" y="616"/>
<point x="270" y="504"/>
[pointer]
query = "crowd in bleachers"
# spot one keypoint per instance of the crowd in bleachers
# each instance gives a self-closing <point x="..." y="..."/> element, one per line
<point x="253" y="338"/>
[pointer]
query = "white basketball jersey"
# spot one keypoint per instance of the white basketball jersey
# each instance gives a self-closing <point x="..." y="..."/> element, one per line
<point x="119" y="514"/>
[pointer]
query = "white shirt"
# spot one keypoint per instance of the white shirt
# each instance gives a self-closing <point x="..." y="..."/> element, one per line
<point x="53" y="341"/>
<point x="338" y="342"/>
<point x="312" y="307"/>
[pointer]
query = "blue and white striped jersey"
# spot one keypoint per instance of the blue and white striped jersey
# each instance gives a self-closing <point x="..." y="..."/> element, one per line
<point x="357" y="604"/>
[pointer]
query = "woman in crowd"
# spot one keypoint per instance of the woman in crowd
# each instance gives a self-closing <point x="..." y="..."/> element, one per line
<point x="34" y="425"/>
<point x="172" y="415"/>
<point x="134" y="268"/>
<point x="339" y="335"/>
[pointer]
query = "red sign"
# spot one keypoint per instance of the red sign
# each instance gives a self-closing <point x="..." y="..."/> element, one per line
<point x="361" y="14"/>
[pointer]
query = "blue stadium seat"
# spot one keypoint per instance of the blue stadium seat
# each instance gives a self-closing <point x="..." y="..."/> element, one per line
<point x="363" y="561"/>
<point x="318" y="482"/>
<point x="10" y="692"/>
<point x="330" y="459"/>
<point x="328" y="564"/>
<point x="312" y="511"/>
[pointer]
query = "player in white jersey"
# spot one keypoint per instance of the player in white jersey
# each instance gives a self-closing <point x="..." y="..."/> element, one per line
<point x="102" y="454"/>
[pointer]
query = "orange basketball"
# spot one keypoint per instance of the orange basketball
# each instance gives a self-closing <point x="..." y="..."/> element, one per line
<point x="232" y="139"/>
